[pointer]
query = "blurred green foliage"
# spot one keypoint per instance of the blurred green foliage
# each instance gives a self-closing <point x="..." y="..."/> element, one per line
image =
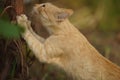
<point x="7" y="29"/>
<point x="111" y="16"/>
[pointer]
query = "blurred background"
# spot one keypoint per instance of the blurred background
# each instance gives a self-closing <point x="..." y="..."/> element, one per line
<point x="98" y="20"/>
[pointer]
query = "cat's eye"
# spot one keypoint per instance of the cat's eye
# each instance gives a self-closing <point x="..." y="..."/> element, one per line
<point x="43" y="5"/>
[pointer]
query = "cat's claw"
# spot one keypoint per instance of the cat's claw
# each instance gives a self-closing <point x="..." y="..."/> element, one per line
<point x="23" y="21"/>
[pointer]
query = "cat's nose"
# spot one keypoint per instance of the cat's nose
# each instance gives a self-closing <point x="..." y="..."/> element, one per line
<point x="37" y="5"/>
<point x="36" y="9"/>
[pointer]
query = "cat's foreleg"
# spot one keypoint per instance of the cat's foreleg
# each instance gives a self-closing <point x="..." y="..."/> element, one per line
<point x="47" y="51"/>
<point x="35" y="44"/>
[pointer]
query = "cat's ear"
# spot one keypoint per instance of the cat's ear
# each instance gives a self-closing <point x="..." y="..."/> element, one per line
<point x="63" y="14"/>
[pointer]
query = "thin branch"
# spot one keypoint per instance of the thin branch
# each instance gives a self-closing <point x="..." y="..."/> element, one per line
<point x="5" y="9"/>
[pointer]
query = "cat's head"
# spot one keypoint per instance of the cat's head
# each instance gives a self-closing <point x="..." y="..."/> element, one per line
<point x="50" y="14"/>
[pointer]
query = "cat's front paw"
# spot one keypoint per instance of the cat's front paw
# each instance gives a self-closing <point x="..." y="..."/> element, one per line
<point x="23" y="21"/>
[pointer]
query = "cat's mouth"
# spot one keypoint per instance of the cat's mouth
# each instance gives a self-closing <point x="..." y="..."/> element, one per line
<point x="44" y="15"/>
<point x="38" y="13"/>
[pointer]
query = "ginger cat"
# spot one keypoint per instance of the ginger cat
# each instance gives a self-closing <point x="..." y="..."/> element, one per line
<point x="66" y="47"/>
